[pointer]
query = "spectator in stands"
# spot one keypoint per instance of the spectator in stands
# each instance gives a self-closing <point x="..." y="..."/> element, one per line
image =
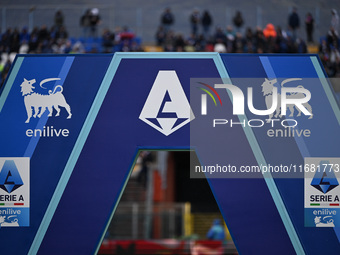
<point x="58" y="19"/>
<point x="68" y="46"/>
<point x="53" y="33"/>
<point x="333" y="39"/>
<point x="201" y="44"/>
<point x="206" y="23"/>
<point x="238" y="21"/>
<point x="24" y="47"/>
<point x="34" y="40"/>
<point x="335" y="20"/>
<point x="108" y="39"/>
<point x="126" y="34"/>
<point x="59" y="46"/>
<point x="309" y="22"/>
<point x="281" y="41"/>
<point x="160" y="36"/>
<point x="61" y="33"/>
<point x="135" y="47"/>
<point x="219" y="36"/>
<point x="85" y="23"/>
<point x="167" y="19"/>
<point x="78" y="47"/>
<point x="6" y="40"/>
<point x="126" y="46"/>
<point x="291" y="44"/>
<point x="220" y="47"/>
<point x="324" y="52"/>
<point x="216" y="232"/>
<point x="230" y="33"/>
<point x="43" y="34"/>
<point x="195" y="21"/>
<point x="24" y="35"/>
<point x="249" y="35"/>
<point x="333" y="51"/>
<point x="117" y="33"/>
<point x="294" y="22"/>
<point x="269" y="31"/>
<point x="5" y="69"/>
<point x="44" y="43"/>
<point x="94" y="21"/>
<point x="127" y="37"/>
<point x="169" y="41"/>
<point x="301" y="46"/>
<point x="15" y="41"/>
<point x="249" y="41"/>
<point x="230" y="38"/>
<point x="190" y="43"/>
<point x="146" y="158"/>
<point x="270" y="34"/>
<point x="179" y="43"/>
<point x="238" y="44"/>
<point x="259" y="41"/>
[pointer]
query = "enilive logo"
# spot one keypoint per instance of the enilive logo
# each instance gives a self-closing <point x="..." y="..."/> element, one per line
<point x="41" y="102"/>
<point x="37" y="104"/>
<point x="167" y="108"/>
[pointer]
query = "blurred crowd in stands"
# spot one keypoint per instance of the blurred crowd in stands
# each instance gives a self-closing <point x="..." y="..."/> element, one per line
<point x="204" y="36"/>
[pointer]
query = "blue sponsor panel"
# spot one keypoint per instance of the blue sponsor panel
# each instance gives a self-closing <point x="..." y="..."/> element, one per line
<point x="14" y="217"/>
<point x="322" y="192"/>
<point x="278" y="147"/>
<point x="125" y="124"/>
<point x="237" y="194"/>
<point x="14" y="192"/>
<point x="81" y="119"/>
<point x="117" y="134"/>
<point x="63" y="87"/>
<point x="322" y="217"/>
<point x="323" y="142"/>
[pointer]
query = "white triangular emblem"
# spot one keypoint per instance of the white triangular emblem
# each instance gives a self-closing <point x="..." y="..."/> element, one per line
<point x="167" y="108"/>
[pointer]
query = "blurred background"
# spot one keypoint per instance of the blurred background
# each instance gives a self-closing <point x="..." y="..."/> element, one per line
<point x="164" y="211"/>
<point x="144" y="19"/>
<point x="225" y="26"/>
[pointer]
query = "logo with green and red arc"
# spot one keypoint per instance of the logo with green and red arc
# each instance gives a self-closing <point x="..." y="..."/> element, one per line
<point x="209" y="90"/>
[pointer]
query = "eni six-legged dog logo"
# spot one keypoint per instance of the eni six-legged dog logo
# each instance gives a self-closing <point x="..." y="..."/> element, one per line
<point x="42" y="102"/>
<point x="269" y="93"/>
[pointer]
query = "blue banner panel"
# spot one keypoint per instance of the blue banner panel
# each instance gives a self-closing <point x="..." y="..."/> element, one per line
<point x="77" y="123"/>
<point x="37" y="87"/>
<point x="276" y="150"/>
<point x="118" y="132"/>
<point x="245" y="201"/>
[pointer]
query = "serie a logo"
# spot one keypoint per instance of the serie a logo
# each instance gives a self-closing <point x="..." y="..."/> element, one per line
<point x="167" y="108"/>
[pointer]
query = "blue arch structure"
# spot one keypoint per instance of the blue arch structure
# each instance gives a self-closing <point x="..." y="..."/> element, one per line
<point x="76" y="180"/>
